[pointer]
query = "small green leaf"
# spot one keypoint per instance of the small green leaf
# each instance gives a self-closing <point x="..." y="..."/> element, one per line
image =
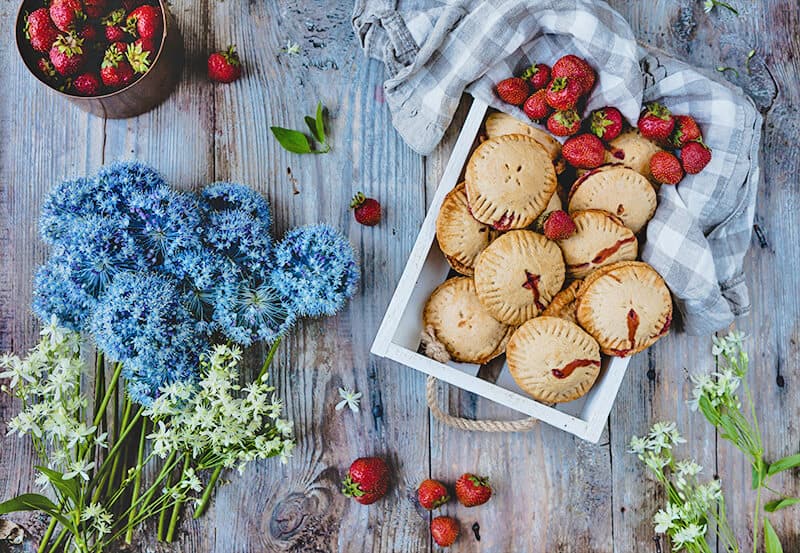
<point x="34" y="502"/>
<point x="291" y="140"/>
<point x="759" y="473"/>
<point x="786" y="463"/>
<point x="771" y="542"/>
<point x="320" y="134"/>
<point x="722" y="69"/>
<point x="778" y="504"/>
<point x="312" y="126"/>
<point x="68" y="488"/>
<point x="708" y="411"/>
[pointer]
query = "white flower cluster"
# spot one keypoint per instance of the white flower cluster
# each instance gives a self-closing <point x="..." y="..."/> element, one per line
<point x="48" y="383"/>
<point x="219" y="421"/>
<point x="655" y="449"/>
<point x="99" y="518"/>
<point x="720" y="388"/>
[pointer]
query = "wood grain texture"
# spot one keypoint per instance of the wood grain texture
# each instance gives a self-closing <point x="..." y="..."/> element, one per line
<point x="553" y="492"/>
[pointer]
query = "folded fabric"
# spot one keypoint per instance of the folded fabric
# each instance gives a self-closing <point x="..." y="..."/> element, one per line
<point x="435" y="51"/>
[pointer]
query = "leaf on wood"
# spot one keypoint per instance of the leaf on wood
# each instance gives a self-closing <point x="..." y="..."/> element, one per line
<point x="786" y="463"/>
<point x="291" y="140"/>
<point x="778" y="504"/>
<point x="68" y="488"/>
<point x="311" y="123"/>
<point x="34" y="502"/>
<point x="771" y="542"/>
<point x="320" y="124"/>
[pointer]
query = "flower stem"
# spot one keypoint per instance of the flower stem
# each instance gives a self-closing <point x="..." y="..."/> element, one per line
<point x="162" y="517"/>
<point x="756" y="515"/>
<point x="59" y="539"/>
<point x="204" y="499"/>
<point x="101" y="411"/>
<point x="112" y="477"/>
<point x="268" y="360"/>
<point x="176" y="509"/>
<point x="47" y="535"/>
<point x="137" y="480"/>
<point x="99" y="379"/>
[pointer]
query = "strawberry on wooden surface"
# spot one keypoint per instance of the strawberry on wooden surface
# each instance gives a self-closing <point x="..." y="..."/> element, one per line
<point x="224" y="66"/>
<point x="444" y="531"/>
<point x="367" y="211"/>
<point x="472" y="490"/>
<point x="367" y="480"/>
<point x="432" y="494"/>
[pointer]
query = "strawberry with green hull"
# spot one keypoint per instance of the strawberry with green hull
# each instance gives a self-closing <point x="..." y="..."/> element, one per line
<point x="87" y="84"/>
<point x="40" y="30"/>
<point x="67" y="15"/>
<point x="148" y="45"/>
<point x="577" y="69"/>
<point x="367" y="480"/>
<point x="472" y="490"/>
<point x="115" y="71"/>
<point x="555" y="225"/>
<point x="536" y="106"/>
<point x="606" y="123"/>
<point x="584" y="151"/>
<point x="138" y="58"/>
<point x="563" y="93"/>
<point x="367" y="211"/>
<point x="67" y="55"/>
<point x="695" y="156"/>
<point x="145" y="21"/>
<point x="666" y="168"/>
<point x="514" y="90"/>
<point x="444" y="531"/>
<point x="564" y="123"/>
<point x="686" y="130"/>
<point x="656" y="123"/>
<point x="114" y="26"/>
<point x="538" y="75"/>
<point x="224" y="66"/>
<point x="432" y="494"/>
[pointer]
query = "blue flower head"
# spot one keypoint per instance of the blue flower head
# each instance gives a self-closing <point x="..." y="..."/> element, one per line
<point x="241" y="238"/>
<point x="206" y="280"/>
<point x="142" y="321"/>
<point x="164" y="223"/>
<point x="120" y="180"/>
<point x="223" y="196"/>
<point x="316" y="267"/>
<point x="57" y="292"/>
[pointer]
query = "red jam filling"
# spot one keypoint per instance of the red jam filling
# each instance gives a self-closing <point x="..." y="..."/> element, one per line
<point x="611" y="250"/>
<point x="569" y="368"/>
<point x="532" y="284"/>
<point x="503" y="223"/>
<point x="633" y="326"/>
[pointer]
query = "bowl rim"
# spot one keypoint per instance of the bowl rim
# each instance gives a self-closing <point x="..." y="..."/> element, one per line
<point x="18" y="33"/>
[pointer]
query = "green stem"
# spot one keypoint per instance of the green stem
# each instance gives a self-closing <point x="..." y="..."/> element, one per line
<point x="137" y="480"/>
<point x="100" y="413"/>
<point x="61" y="536"/>
<point x="99" y="377"/>
<point x="204" y="499"/>
<point x="162" y="517"/>
<point x="112" y="476"/>
<point x="47" y="535"/>
<point x="176" y="509"/>
<point x="756" y="516"/>
<point x="165" y="470"/>
<point x="268" y="360"/>
<point x="117" y="445"/>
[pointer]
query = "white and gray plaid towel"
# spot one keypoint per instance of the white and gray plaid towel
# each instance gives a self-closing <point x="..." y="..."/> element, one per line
<point x="434" y="51"/>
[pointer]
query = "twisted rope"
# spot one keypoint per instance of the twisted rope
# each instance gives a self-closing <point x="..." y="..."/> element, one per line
<point x="473" y="425"/>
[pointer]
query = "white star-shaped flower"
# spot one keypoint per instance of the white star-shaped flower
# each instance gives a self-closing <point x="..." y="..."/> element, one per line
<point x="350" y="399"/>
<point x="291" y="48"/>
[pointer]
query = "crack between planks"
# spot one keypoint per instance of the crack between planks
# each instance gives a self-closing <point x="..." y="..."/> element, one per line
<point x="611" y="471"/>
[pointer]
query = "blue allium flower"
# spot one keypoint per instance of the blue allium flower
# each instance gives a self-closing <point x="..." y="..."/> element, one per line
<point x="142" y="321"/>
<point x="206" y="279"/>
<point x="257" y="312"/>
<point x="65" y="206"/>
<point x="57" y="292"/>
<point x="120" y="180"/>
<point x="316" y="267"/>
<point x="223" y="196"/>
<point x="164" y="223"/>
<point x="240" y="237"/>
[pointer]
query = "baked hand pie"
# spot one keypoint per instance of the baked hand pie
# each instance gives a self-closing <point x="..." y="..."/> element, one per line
<point x="461" y="237"/>
<point x="498" y="124"/>
<point x="632" y="150"/>
<point x="601" y="239"/>
<point x="564" y="303"/>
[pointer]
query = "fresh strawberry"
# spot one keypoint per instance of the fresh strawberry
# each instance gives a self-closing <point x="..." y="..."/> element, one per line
<point x="148" y="45"/>
<point x="666" y="168"/>
<point x="538" y="75"/>
<point x="67" y="14"/>
<point x="432" y="494"/>
<point x="224" y="66"/>
<point x="367" y="210"/>
<point x="577" y="69"/>
<point x="115" y="71"/>
<point x="87" y="84"/>
<point x="138" y="58"/>
<point x="584" y="151"/>
<point x="563" y="93"/>
<point x="695" y="156"/>
<point x="564" y="123"/>
<point x="95" y="8"/>
<point x="555" y="225"/>
<point x="474" y="490"/>
<point x="39" y="29"/>
<point x="656" y="123"/>
<point x="367" y="480"/>
<point x="90" y="33"/>
<point x="113" y="23"/>
<point x="145" y="21"/>
<point x="536" y="106"/>
<point x="46" y="68"/>
<point x="67" y="54"/>
<point x="444" y="531"/>
<point x="513" y="90"/>
<point x="686" y="130"/>
<point x="119" y="46"/>
<point x="606" y="123"/>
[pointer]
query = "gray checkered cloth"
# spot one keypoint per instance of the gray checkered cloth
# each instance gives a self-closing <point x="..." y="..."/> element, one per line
<point x="435" y="51"/>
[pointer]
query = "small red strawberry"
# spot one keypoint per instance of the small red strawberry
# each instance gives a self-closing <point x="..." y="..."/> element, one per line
<point x="115" y="71"/>
<point x="656" y="123"/>
<point x="686" y="130"/>
<point x="67" y="54"/>
<point x="606" y="123"/>
<point x="367" y="210"/>
<point x="46" y="68"/>
<point x="147" y="45"/>
<point x="95" y="8"/>
<point x="224" y="66"/>
<point x="444" y="531"/>
<point x="538" y="75"/>
<point x="90" y="33"/>
<point x="145" y="21"/>
<point x="39" y="29"/>
<point x="67" y="14"/>
<point x="695" y="156"/>
<point x="536" y="106"/>
<point x="367" y="480"/>
<point x="138" y="57"/>
<point x="119" y="46"/>
<point x="564" y="123"/>
<point x="563" y="93"/>
<point x="473" y="490"/>
<point x="577" y="69"/>
<point x="555" y="225"/>
<point x="432" y="494"/>
<point x="513" y="90"/>
<point x="87" y="84"/>
<point x="666" y="168"/>
<point x="584" y="151"/>
<point x="113" y="23"/>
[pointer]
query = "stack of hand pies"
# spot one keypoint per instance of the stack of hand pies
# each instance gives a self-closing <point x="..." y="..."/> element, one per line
<point x="553" y="306"/>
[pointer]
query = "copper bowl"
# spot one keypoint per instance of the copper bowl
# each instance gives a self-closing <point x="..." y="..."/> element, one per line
<point x="144" y="94"/>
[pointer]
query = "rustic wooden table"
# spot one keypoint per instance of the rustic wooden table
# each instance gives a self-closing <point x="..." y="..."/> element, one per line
<point x="553" y="492"/>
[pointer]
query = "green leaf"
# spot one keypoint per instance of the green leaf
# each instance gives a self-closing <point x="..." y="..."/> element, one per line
<point x="291" y="140"/>
<point x="771" y="542"/>
<point x="759" y="473"/>
<point x="708" y="411"/>
<point x="778" y="504"/>
<point x="312" y="126"/>
<point x="786" y="463"/>
<point x="320" y="134"/>
<point x="34" y="502"/>
<point x="68" y="488"/>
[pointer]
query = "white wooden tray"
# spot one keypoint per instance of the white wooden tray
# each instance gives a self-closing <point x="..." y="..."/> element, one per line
<point x="399" y="335"/>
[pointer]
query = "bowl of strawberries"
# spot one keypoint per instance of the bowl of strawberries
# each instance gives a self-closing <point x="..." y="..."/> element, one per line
<point x="112" y="58"/>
